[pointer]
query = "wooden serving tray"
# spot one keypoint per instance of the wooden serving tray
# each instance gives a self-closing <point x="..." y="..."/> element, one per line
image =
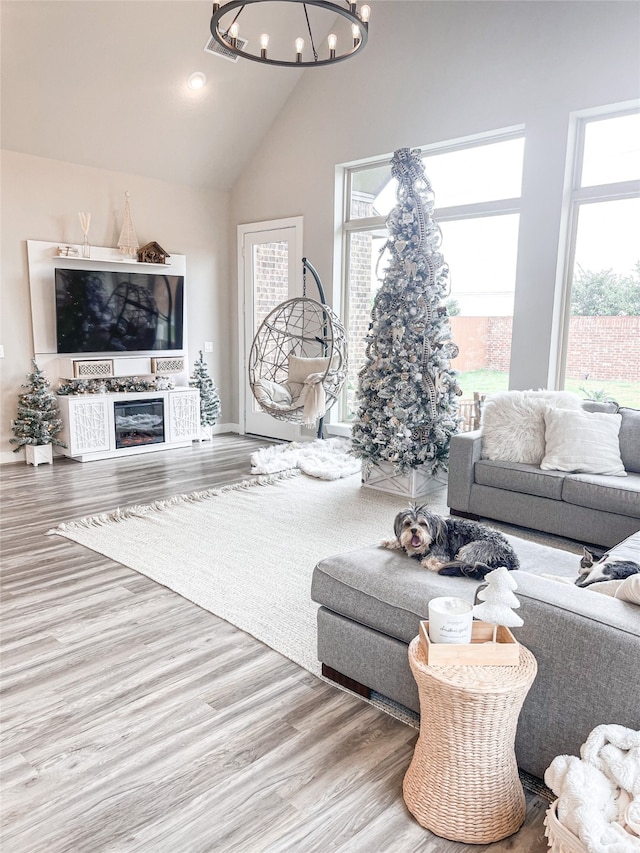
<point x="479" y="652"/>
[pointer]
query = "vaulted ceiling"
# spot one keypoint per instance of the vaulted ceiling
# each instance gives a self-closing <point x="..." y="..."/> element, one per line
<point x="103" y="83"/>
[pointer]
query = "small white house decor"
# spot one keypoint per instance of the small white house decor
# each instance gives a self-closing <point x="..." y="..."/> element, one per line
<point x="498" y="601"/>
<point x="407" y="390"/>
<point x="38" y="421"/>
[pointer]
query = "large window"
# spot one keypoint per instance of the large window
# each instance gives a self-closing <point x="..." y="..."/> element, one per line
<point x="477" y="187"/>
<point x="601" y="331"/>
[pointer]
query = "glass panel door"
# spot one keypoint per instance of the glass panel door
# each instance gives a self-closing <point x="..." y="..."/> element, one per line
<point x="271" y="262"/>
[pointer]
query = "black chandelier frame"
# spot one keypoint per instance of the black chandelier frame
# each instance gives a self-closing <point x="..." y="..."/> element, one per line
<point x="348" y="11"/>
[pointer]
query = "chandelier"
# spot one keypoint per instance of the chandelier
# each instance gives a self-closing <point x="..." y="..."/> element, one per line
<point x="228" y="35"/>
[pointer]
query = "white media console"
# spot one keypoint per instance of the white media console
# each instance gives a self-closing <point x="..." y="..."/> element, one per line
<point x="105" y="425"/>
<point x="100" y="426"/>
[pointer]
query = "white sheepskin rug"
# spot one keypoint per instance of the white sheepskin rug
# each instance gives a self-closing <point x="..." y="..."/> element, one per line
<point x="325" y="459"/>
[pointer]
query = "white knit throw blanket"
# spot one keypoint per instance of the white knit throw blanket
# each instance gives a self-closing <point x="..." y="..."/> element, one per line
<point x="599" y="793"/>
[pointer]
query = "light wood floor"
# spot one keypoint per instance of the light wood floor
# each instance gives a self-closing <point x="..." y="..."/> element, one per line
<point x="132" y="720"/>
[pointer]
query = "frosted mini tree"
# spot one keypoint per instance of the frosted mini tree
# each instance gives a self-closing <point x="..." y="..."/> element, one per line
<point x="498" y="601"/>
<point x="38" y="420"/>
<point x="407" y="407"/>
<point x="210" y="408"/>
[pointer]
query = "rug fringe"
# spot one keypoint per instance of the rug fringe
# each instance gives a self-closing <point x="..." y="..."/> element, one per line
<point x="141" y="510"/>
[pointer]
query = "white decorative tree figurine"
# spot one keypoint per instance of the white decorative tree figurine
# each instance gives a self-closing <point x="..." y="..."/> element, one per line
<point x="210" y="408"/>
<point x="128" y="241"/>
<point x="498" y="601"/>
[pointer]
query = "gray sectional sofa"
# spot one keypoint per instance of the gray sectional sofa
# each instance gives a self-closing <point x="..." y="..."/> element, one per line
<point x="587" y="645"/>
<point x="591" y="508"/>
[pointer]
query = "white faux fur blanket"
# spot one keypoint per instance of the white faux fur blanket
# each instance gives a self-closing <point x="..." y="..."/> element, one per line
<point x="599" y="793"/>
<point x="325" y="459"/>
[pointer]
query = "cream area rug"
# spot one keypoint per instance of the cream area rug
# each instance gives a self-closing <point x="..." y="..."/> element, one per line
<point x="246" y="552"/>
<point x="326" y="459"/>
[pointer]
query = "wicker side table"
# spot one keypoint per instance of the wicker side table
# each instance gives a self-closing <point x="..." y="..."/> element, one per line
<point x="463" y="783"/>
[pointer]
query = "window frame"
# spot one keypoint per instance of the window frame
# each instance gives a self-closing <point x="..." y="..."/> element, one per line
<point x="576" y="196"/>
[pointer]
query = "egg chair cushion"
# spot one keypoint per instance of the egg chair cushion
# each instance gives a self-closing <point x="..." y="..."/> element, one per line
<point x="300" y="368"/>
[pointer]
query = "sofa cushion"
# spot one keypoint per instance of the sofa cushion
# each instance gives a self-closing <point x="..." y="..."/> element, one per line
<point x="513" y="426"/>
<point x="515" y="477"/>
<point x="582" y="442"/>
<point x="608" y="494"/>
<point x="629" y="439"/>
<point x="390" y="592"/>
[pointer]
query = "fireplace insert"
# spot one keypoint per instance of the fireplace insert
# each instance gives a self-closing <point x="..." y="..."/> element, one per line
<point x="139" y="422"/>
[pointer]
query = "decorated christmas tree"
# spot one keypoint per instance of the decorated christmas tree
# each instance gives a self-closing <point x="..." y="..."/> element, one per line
<point x="38" y="420"/>
<point x="210" y="409"/>
<point x="498" y="601"/>
<point x="407" y="407"/>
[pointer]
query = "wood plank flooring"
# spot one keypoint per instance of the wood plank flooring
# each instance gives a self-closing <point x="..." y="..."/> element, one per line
<point x="133" y="720"/>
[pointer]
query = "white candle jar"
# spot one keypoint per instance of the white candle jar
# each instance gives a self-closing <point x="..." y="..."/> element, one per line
<point x="450" y="620"/>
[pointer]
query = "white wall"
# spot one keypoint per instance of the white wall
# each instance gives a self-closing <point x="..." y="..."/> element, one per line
<point x="437" y="71"/>
<point x="40" y="201"/>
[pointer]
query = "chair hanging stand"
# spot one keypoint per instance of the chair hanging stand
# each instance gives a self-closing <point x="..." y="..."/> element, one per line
<point x="298" y="358"/>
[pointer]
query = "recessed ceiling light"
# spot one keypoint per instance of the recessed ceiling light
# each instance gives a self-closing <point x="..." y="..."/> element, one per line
<point x="196" y="81"/>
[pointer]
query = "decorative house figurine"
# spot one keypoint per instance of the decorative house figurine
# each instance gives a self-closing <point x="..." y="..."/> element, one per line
<point x="152" y="253"/>
<point x="128" y="241"/>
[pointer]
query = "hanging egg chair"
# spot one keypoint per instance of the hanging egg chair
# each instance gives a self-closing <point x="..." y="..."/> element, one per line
<point x="298" y="359"/>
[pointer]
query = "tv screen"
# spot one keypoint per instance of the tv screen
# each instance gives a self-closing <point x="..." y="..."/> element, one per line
<point x="111" y="311"/>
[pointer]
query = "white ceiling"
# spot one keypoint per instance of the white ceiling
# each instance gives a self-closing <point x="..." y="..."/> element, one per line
<point x="103" y="83"/>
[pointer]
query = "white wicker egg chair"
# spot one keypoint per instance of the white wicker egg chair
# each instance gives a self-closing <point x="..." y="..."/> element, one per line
<point x="298" y="359"/>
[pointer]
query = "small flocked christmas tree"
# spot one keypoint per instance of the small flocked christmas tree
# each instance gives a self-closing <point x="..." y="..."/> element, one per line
<point x="210" y="409"/>
<point x="407" y="408"/>
<point x="498" y="601"/>
<point x="38" y="420"/>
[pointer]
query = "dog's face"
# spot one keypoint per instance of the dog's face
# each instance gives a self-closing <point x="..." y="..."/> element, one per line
<point x="415" y="529"/>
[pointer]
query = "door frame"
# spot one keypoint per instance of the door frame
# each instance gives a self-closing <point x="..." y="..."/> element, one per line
<point x="280" y="429"/>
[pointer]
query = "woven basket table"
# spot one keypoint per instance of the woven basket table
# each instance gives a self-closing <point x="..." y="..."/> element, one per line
<point x="463" y="783"/>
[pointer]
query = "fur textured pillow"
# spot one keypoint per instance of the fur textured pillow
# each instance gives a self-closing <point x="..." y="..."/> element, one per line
<point x="513" y="426"/>
<point x="582" y="443"/>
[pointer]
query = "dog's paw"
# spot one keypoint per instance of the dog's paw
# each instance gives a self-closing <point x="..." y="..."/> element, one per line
<point x="431" y="563"/>
<point x="392" y="544"/>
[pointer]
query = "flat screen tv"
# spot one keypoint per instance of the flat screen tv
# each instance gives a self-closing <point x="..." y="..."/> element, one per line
<point x="110" y="311"/>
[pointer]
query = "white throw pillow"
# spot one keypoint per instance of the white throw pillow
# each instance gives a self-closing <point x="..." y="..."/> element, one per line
<point x="582" y="443"/>
<point x="629" y="590"/>
<point x="300" y="368"/>
<point x="513" y="426"/>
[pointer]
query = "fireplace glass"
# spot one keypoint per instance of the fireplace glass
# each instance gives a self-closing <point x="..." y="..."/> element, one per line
<point x="139" y="422"/>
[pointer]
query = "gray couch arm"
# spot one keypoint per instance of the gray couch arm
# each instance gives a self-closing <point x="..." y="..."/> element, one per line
<point x="464" y="452"/>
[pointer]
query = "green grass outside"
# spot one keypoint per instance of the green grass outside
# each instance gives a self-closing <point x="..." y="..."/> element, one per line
<point x="491" y="381"/>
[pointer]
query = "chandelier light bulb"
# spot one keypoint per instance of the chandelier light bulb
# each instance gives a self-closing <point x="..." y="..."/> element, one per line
<point x="299" y="49"/>
<point x="234" y="29"/>
<point x="365" y="11"/>
<point x="332" y="40"/>
<point x="355" y="31"/>
<point x="264" y="44"/>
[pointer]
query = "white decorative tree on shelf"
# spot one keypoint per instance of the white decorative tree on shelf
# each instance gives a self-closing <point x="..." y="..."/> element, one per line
<point x="128" y="241"/>
<point x="498" y="601"/>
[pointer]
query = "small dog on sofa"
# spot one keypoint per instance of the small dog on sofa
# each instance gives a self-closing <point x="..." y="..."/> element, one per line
<point x="598" y="566"/>
<point x="450" y="546"/>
